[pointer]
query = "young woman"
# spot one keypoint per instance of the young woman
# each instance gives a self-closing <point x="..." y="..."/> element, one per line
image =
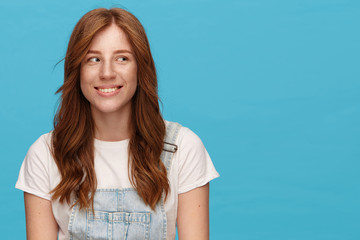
<point x="112" y="168"/>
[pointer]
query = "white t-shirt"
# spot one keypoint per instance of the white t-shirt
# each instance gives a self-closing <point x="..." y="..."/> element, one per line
<point x="191" y="167"/>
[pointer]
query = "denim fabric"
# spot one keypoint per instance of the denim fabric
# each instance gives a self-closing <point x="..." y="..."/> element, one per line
<point x="121" y="214"/>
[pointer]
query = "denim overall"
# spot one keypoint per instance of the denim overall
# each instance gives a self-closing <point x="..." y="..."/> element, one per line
<point x="121" y="213"/>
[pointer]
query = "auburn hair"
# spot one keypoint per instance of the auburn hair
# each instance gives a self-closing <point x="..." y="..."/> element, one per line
<point x="73" y="134"/>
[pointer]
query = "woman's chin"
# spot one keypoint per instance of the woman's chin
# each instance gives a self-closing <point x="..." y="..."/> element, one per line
<point x="110" y="110"/>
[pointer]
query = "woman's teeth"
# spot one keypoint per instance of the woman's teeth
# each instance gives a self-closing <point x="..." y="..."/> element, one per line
<point x="107" y="90"/>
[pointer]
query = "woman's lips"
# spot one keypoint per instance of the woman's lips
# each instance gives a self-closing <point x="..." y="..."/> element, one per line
<point x="108" y="91"/>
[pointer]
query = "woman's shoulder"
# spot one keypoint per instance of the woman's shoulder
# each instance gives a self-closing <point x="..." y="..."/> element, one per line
<point x="40" y="150"/>
<point x="184" y="135"/>
<point x="42" y="143"/>
<point x="194" y="167"/>
<point x="35" y="171"/>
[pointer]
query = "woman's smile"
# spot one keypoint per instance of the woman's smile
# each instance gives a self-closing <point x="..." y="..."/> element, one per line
<point x="106" y="91"/>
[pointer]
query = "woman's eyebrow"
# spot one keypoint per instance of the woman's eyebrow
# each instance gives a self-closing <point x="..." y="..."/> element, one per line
<point x="123" y="51"/>
<point x="116" y="51"/>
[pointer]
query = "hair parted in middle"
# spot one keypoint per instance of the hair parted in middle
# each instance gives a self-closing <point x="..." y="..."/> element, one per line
<point x="73" y="134"/>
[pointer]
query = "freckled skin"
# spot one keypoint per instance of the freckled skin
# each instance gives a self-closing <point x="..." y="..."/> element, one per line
<point x="104" y="65"/>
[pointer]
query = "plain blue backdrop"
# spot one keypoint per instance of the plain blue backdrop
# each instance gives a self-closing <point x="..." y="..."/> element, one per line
<point x="271" y="87"/>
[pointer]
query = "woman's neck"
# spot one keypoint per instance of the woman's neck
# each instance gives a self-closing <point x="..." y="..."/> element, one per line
<point x="115" y="126"/>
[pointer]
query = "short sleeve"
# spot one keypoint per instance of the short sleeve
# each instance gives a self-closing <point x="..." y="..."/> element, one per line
<point x="34" y="172"/>
<point x="195" y="166"/>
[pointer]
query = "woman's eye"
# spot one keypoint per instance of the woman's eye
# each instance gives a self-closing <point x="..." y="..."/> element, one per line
<point x="94" y="59"/>
<point x="122" y="59"/>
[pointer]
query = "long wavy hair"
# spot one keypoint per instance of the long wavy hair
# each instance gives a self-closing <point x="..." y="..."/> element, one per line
<point x="73" y="134"/>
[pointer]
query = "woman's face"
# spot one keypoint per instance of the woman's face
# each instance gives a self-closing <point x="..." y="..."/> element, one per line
<point x="108" y="74"/>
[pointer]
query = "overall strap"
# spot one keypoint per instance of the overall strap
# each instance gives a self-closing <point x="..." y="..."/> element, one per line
<point x="170" y="147"/>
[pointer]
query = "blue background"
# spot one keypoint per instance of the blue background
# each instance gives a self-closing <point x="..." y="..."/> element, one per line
<point x="271" y="87"/>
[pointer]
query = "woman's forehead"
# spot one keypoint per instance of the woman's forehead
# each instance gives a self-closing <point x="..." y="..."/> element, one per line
<point x="111" y="38"/>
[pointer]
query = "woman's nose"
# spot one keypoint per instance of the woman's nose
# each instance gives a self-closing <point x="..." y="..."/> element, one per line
<point x="107" y="71"/>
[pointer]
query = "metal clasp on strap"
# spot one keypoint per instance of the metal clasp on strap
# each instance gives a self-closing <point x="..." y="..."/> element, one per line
<point x="169" y="147"/>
